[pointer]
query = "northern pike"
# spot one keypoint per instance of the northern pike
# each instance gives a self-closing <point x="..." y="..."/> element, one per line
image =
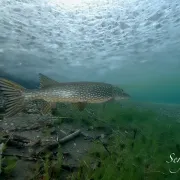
<point x="50" y="91"/>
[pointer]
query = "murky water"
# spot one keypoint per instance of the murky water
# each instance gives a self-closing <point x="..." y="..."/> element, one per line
<point x="133" y="44"/>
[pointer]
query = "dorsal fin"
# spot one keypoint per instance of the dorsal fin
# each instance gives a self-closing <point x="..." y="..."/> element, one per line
<point x="46" y="81"/>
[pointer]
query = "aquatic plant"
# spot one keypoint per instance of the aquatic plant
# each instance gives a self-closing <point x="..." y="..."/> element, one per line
<point x="134" y="144"/>
<point x="138" y="148"/>
<point x="7" y="164"/>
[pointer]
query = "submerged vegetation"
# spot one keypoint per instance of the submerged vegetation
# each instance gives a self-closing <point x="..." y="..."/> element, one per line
<point x="138" y="147"/>
<point x="133" y="144"/>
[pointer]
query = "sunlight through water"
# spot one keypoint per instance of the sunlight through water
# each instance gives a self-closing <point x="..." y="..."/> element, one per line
<point x="127" y="42"/>
<point x="72" y="4"/>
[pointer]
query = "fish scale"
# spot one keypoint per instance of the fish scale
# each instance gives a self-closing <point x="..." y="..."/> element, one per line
<point x="51" y="91"/>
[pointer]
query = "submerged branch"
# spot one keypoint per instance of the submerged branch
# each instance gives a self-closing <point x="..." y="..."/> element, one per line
<point x="33" y="127"/>
<point x="61" y="141"/>
<point x="1" y="151"/>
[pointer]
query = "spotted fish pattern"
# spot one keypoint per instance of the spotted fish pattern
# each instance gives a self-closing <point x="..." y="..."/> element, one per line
<point x="51" y="91"/>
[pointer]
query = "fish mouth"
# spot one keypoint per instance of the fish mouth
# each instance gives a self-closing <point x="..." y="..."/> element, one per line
<point x="125" y="95"/>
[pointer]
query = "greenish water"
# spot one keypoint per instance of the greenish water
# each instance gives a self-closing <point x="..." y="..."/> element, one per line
<point x="142" y="142"/>
<point x="158" y="90"/>
<point x="135" y="141"/>
<point x="133" y="44"/>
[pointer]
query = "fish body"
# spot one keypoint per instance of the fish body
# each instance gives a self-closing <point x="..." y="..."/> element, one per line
<point x="73" y="92"/>
<point x="51" y="91"/>
<point x="1" y="100"/>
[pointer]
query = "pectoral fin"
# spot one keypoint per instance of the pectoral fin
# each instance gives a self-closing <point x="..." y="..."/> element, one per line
<point x="45" y="107"/>
<point x="53" y="105"/>
<point x="80" y="105"/>
<point x="104" y="106"/>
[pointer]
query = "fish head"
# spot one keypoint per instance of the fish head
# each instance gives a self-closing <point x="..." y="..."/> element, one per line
<point x="119" y="94"/>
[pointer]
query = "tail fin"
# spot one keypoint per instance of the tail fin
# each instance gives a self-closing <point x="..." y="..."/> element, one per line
<point x="14" y="101"/>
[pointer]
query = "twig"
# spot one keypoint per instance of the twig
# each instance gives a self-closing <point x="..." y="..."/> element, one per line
<point x="15" y="140"/>
<point x="89" y="138"/>
<point x="56" y="144"/>
<point x="156" y="172"/>
<point x="33" y="143"/>
<point x="1" y="151"/>
<point x="69" y="137"/>
<point x="34" y="127"/>
<point x="66" y="167"/>
<point x="69" y="168"/>
<point x="105" y="147"/>
<point x="29" y="158"/>
<point x="21" y="129"/>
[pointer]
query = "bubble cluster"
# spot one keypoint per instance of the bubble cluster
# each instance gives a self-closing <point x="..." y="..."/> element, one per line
<point x="105" y="35"/>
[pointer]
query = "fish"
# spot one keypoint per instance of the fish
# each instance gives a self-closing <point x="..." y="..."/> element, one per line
<point x="1" y="100"/>
<point x="51" y="92"/>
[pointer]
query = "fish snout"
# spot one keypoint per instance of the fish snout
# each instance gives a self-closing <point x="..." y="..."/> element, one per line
<point x="126" y="95"/>
<point x="122" y="96"/>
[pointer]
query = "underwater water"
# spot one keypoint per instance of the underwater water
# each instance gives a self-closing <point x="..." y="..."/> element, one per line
<point x="133" y="44"/>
